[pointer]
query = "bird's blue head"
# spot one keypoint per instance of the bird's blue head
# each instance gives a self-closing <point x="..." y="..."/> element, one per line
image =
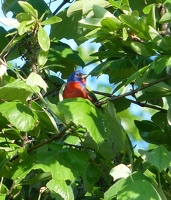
<point x="77" y="76"/>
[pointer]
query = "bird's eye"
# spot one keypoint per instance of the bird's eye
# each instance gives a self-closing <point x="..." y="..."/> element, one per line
<point x="77" y="75"/>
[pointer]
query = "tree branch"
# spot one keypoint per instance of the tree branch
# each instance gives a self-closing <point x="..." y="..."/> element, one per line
<point x="132" y="92"/>
<point x="56" y="137"/>
<point x="148" y="106"/>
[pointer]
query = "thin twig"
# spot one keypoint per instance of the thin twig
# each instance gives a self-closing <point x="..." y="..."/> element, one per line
<point x="56" y="137"/>
<point x="132" y="92"/>
<point x="148" y="106"/>
<point x="10" y="42"/>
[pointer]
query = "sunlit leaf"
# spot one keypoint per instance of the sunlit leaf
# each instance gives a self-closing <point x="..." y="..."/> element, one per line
<point x="100" y="12"/>
<point x="43" y="39"/>
<point x="90" y="23"/>
<point x="75" y="7"/>
<point x="60" y="187"/>
<point x="28" y="8"/>
<point x="166" y="17"/>
<point x="42" y="58"/>
<point x="9" y="22"/>
<point x="3" y="69"/>
<point x="36" y="80"/>
<point x="137" y="25"/>
<point x="144" y="191"/>
<point x="45" y="119"/>
<point x="25" y="26"/>
<point x="81" y="111"/>
<point x="157" y="38"/>
<point x="120" y="171"/>
<point x="16" y="90"/>
<point x="18" y="115"/>
<point x="161" y="63"/>
<point x="24" y="17"/>
<point x="142" y="49"/>
<point x="75" y="33"/>
<point x="112" y="192"/>
<point x="51" y="20"/>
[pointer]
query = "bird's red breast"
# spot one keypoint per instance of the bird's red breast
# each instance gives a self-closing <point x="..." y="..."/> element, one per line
<point x="75" y="89"/>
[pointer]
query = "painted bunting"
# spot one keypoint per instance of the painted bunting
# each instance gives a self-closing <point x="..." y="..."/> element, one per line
<point x="76" y="87"/>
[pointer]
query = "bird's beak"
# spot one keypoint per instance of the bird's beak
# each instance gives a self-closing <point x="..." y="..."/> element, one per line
<point x="84" y="76"/>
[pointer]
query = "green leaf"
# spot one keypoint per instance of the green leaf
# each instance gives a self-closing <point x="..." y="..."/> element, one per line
<point x="85" y="6"/>
<point x="18" y="115"/>
<point x="43" y="39"/>
<point x="146" y="125"/>
<point x="112" y="192"/>
<point x="100" y="129"/>
<point x="28" y="8"/>
<point x="144" y="191"/>
<point x="151" y="133"/>
<point x="25" y="26"/>
<point x="71" y="24"/>
<point x="120" y="171"/>
<point x="91" y="176"/>
<point x="51" y="20"/>
<point x="5" y="40"/>
<point x="14" y="7"/>
<point x="169" y="116"/>
<point x="160" y="64"/>
<point x="42" y="58"/>
<point x="118" y="70"/>
<point x="142" y="49"/>
<point x="16" y="90"/>
<point x="160" y="157"/>
<point x="155" y="137"/>
<point x="63" y="55"/>
<point x="159" y="118"/>
<point x="157" y="38"/>
<point x="75" y="160"/>
<point x="90" y="23"/>
<point x="100" y="12"/>
<point x="151" y="17"/>
<point x="137" y="74"/>
<point x="60" y="187"/>
<point x="36" y="80"/>
<point x="165" y="18"/>
<point x="124" y="34"/>
<point x="110" y="24"/>
<point x="46" y="121"/>
<point x="24" y="17"/>
<point x="139" y="26"/>
<point x="156" y="91"/>
<point x="69" y="162"/>
<point x="74" y="8"/>
<point x="4" y="158"/>
<point x="38" y="178"/>
<point x="47" y="161"/>
<point x="93" y="173"/>
<point x="121" y="104"/>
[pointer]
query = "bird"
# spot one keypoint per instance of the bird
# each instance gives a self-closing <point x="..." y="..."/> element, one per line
<point x="76" y="87"/>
